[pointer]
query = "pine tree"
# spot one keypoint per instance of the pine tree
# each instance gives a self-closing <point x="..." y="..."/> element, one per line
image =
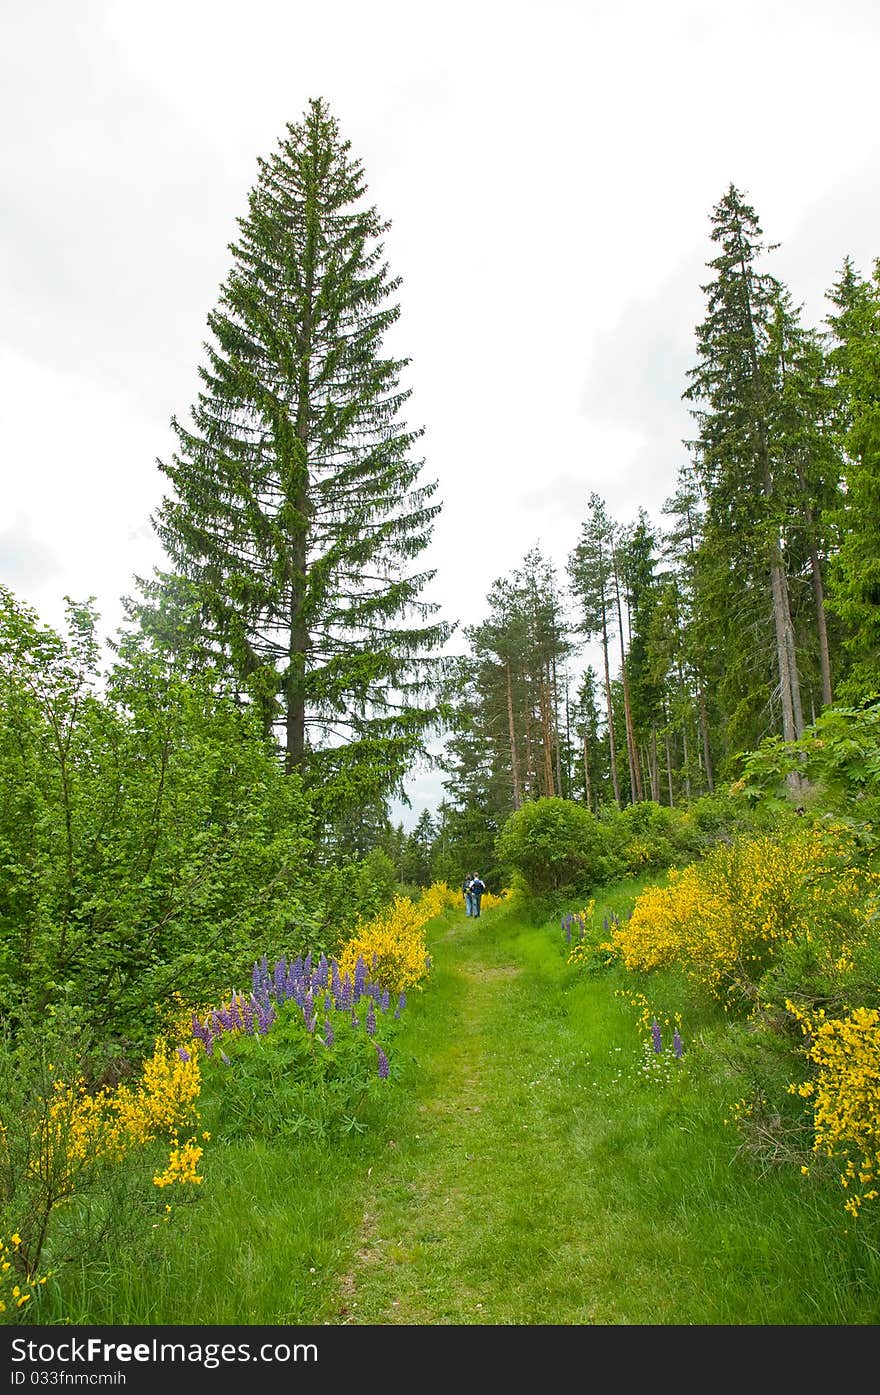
<point x="807" y="458"/>
<point x="297" y="511"/>
<point x="690" y="644"/>
<point x="591" y="571"/>
<point x="735" y="393"/>
<point x="855" y="568"/>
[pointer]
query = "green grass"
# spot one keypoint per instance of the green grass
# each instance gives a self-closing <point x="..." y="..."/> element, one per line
<point x="529" y="1164"/>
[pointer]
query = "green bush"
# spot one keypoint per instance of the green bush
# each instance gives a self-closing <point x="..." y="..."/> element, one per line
<point x="647" y="836"/>
<point x="554" y="844"/>
<point x="150" y="842"/>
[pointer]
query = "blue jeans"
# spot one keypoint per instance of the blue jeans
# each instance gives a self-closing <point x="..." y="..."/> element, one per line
<point x="475" y="900"/>
<point x="469" y="908"/>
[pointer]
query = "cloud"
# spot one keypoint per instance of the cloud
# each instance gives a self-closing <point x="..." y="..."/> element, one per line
<point x="25" y="560"/>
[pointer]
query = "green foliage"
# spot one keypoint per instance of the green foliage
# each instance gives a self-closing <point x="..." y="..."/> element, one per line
<point x="150" y="842"/>
<point x="837" y="760"/>
<point x="67" y="1205"/>
<point x="855" y="567"/>
<point x="649" y="836"/>
<point x="344" y="894"/>
<point x="554" y="844"/>
<point x="287" y="1082"/>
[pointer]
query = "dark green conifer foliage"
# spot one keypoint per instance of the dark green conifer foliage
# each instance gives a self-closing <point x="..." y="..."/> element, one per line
<point x="855" y="568"/>
<point x="590" y="571"/>
<point x="735" y="391"/>
<point x="297" y="511"/>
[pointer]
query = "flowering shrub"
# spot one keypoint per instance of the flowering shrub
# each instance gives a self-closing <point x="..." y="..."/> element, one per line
<point x="73" y="1155"/>
<point x="392" y="945"/>
<point x="726" y="917"/>
<point x="16" y="1290"/>
<point x="845" y="1095"/>
<point x="439" y="897"/>
<point x="300" y="1053"/>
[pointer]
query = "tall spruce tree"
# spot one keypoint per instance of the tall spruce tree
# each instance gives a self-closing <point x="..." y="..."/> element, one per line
<point x="855" y="567"/>
<point x="591" y="578"/>
<point x="735" y="391"/>
<point x="297" y="510"/>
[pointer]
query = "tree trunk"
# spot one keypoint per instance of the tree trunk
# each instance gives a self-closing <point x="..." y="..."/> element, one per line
<point x="669" y="771"/>
<point x="612" y="744"/>
<point x="818" y="592"/>
<point x="295" y="683"/>
<point x="633" y="755"/>
<point x="655" y="768"/>
<point x="546" y="734"/>
<point x="789" y="694"/>
<point x="588" y="787"/>
<point x="555" y="711"/>
<point x="511" y="727"/>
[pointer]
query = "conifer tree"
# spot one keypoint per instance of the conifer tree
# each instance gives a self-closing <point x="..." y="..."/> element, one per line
<point x="735" y="394"/>
<point x="855" y="568"/>
<point x="590" y="571"/>
<point x="297" y="512"/>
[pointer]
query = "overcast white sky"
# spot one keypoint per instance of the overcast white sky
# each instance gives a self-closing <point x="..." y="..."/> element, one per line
<point x="549" y="168"/>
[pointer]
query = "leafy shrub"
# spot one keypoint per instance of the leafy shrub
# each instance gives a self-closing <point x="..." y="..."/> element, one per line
<point x="647" y="836"/>
<point x="299" y="1054"/>
<point x="555" y="844"/>
<point x="392" y="945"/>
<point x="80" y="1162"/>
<point x="149" y="838"/>
<point x="837" y="760"/>
<point x="728" y="917"/>
<point x="845" y="1095"/>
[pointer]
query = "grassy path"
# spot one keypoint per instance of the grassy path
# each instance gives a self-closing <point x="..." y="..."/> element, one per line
<point x="531" y="1164"/>
<point x="486" y="1209"/>
<point x="536" y="1178"/>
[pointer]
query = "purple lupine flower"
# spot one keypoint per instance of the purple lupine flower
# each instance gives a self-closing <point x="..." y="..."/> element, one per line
<point x="247" y="1015"/>
<point x="605" y="922"/>
<point x="566" y="929"/>
<point x="183" y="1054"/>
<point x="265" y="1017"/>
<point x="371" y="1018"/>
<point x="279" y="977"/>
<point x="329" y="1036"/>
<point x="677" y="1044"/>
<point x="225" y="1059"/>
<point x="200" y="1030"/>
<point x="355" y="1020"/>
<point x="360" y="977"/>
<point x="655" y="1033"/>
<point x="343" y="1001"/>
<point x="320" y="975"/>
<point x="335" y="982"/>
<point x="384" y="1000"/>
<point x="382" y="1062"/>
<point x="307" y="965"/>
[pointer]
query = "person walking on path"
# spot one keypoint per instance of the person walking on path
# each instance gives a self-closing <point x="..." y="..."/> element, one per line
<point x="478" y="886"/>
<point x="468" y="899"/>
